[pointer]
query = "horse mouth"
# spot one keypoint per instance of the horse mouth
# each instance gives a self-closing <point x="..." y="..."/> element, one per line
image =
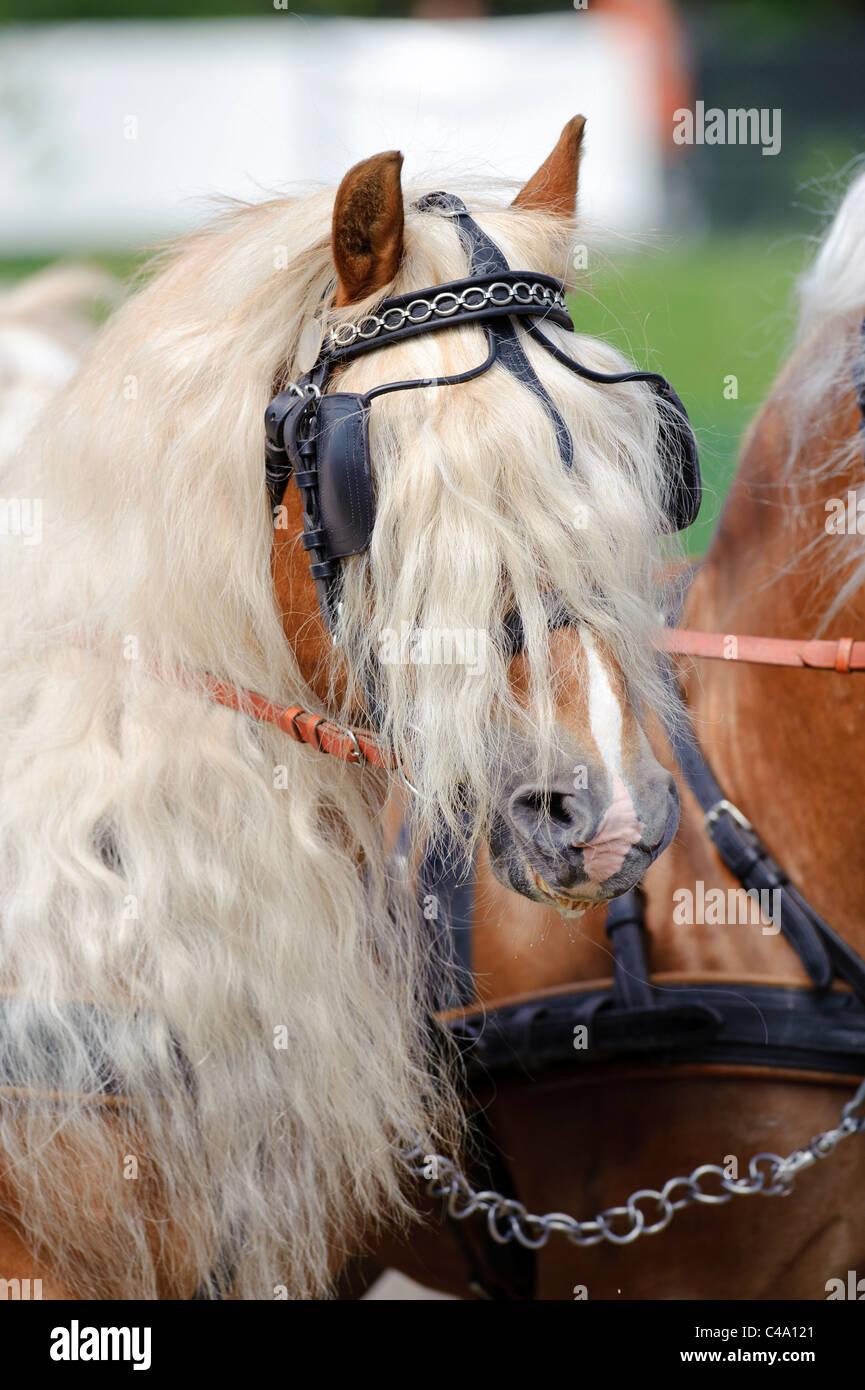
<point x="568" y="906"/>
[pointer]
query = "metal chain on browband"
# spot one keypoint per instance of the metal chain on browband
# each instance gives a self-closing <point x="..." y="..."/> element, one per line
<point x="507" y="1219"/>
<point x="457" y="302"/>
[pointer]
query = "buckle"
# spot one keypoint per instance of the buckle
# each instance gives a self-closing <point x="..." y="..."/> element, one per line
<point x="732" y="811"/>
<point x="357" y="753"/>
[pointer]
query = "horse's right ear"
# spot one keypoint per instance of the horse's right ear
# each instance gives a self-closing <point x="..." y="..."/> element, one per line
<point x="553" y="188"/>
<point x="368" y="221"/>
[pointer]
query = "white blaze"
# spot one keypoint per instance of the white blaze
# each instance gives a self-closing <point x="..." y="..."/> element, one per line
<point x="605" y="712"/>
<point x="620" y="827"/>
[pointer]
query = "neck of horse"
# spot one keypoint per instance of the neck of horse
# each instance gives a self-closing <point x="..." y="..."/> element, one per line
<point x="785" y="744"/>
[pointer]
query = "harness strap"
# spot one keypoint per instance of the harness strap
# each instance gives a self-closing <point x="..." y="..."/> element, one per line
<point x="750" y="862"/>
<point x="351" y="744"/>
<point x="821" y="950"/>
<point x="357" y="745"/>
<point x="446" y="888"/>
<point x="757" y="1025"/>
<point x="487" y="260"/>
<point x="625" y="927"/>
<point x="501" y="293"/>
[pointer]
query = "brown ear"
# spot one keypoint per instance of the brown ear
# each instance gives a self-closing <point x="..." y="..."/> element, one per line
<point x="554" y="187"/>
<point x="368" y="227"/>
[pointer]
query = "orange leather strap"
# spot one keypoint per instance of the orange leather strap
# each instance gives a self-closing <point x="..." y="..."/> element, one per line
<point x="843" y="655"/>
<point x="354" y="745"/>
<point x="342" y="741"/>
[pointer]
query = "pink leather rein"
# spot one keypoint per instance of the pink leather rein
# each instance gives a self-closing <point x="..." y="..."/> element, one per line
<point x="356" y="745"/>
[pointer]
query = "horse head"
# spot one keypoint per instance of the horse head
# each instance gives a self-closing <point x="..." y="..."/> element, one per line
<point x="489" y="492"/>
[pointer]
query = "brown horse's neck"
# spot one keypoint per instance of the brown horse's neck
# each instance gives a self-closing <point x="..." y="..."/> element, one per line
<point x="786" y="744"/>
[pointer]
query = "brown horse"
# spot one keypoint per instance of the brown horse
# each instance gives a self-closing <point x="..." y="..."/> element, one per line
<point x="785" y="745"/>
<point x="215" y="1002"/>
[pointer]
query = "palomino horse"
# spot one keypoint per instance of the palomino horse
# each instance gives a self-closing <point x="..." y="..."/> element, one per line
<point x="784" y="745"/>
<point x="216" y="1050"/>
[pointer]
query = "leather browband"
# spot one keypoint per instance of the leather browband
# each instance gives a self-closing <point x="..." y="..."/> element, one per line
<point x="477" y="298"/>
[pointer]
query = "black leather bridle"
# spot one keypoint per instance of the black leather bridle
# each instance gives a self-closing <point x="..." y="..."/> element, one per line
<point x="321" y="438"/>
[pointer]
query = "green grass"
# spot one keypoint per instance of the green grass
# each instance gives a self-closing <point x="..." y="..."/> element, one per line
<point x="122" y="265"/>
<point x="698" y="312"/>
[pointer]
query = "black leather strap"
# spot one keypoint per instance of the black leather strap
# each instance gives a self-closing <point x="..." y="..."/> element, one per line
<point x="750" y="1025"/>
<point x="446" y="882"/>
<point x="486" y="260"/>
<point x="515" y="300"/>
<point x="625" y="927"/>
<point x="680" y="456"/>
<point x="821" y="950"/>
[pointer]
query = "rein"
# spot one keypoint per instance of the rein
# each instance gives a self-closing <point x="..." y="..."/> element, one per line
<point x="343" y="741"/>
<point x="843" y="655"/>
<point x="354" y="744"/>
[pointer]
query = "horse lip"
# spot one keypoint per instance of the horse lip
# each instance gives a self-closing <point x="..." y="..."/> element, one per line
<point x="573" y="907"/>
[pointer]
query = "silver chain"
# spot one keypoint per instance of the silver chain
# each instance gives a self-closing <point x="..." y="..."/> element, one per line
<point x="507" y="1219"/>
<point x="473" y="298"/>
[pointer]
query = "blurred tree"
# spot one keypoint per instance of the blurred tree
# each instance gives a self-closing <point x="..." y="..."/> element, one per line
<point x="745" y="16"/>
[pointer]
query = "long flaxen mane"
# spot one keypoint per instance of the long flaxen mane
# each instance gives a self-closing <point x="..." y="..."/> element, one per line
<point x="215" y="1030"/>
<point x="816" y="392"/>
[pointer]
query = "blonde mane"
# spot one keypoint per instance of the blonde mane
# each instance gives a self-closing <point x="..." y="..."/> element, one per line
<point x="213" y="897"/>
<point x="815" y="390"/>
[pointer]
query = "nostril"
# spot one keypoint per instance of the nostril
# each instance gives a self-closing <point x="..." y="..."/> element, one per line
<point x="542" y="806"/>
<point x="554" y="820"/>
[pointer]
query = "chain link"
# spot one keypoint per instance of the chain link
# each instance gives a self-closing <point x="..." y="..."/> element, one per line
<point x="473" y="299"/>
<point x="507" y="1219"/>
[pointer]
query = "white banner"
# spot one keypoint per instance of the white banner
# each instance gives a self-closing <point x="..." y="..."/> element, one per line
<point x="113" y="135"/>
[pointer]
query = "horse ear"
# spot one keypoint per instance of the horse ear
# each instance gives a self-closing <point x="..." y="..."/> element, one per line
<point x="368" y="222"/>
<point x="554" y="187"/>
